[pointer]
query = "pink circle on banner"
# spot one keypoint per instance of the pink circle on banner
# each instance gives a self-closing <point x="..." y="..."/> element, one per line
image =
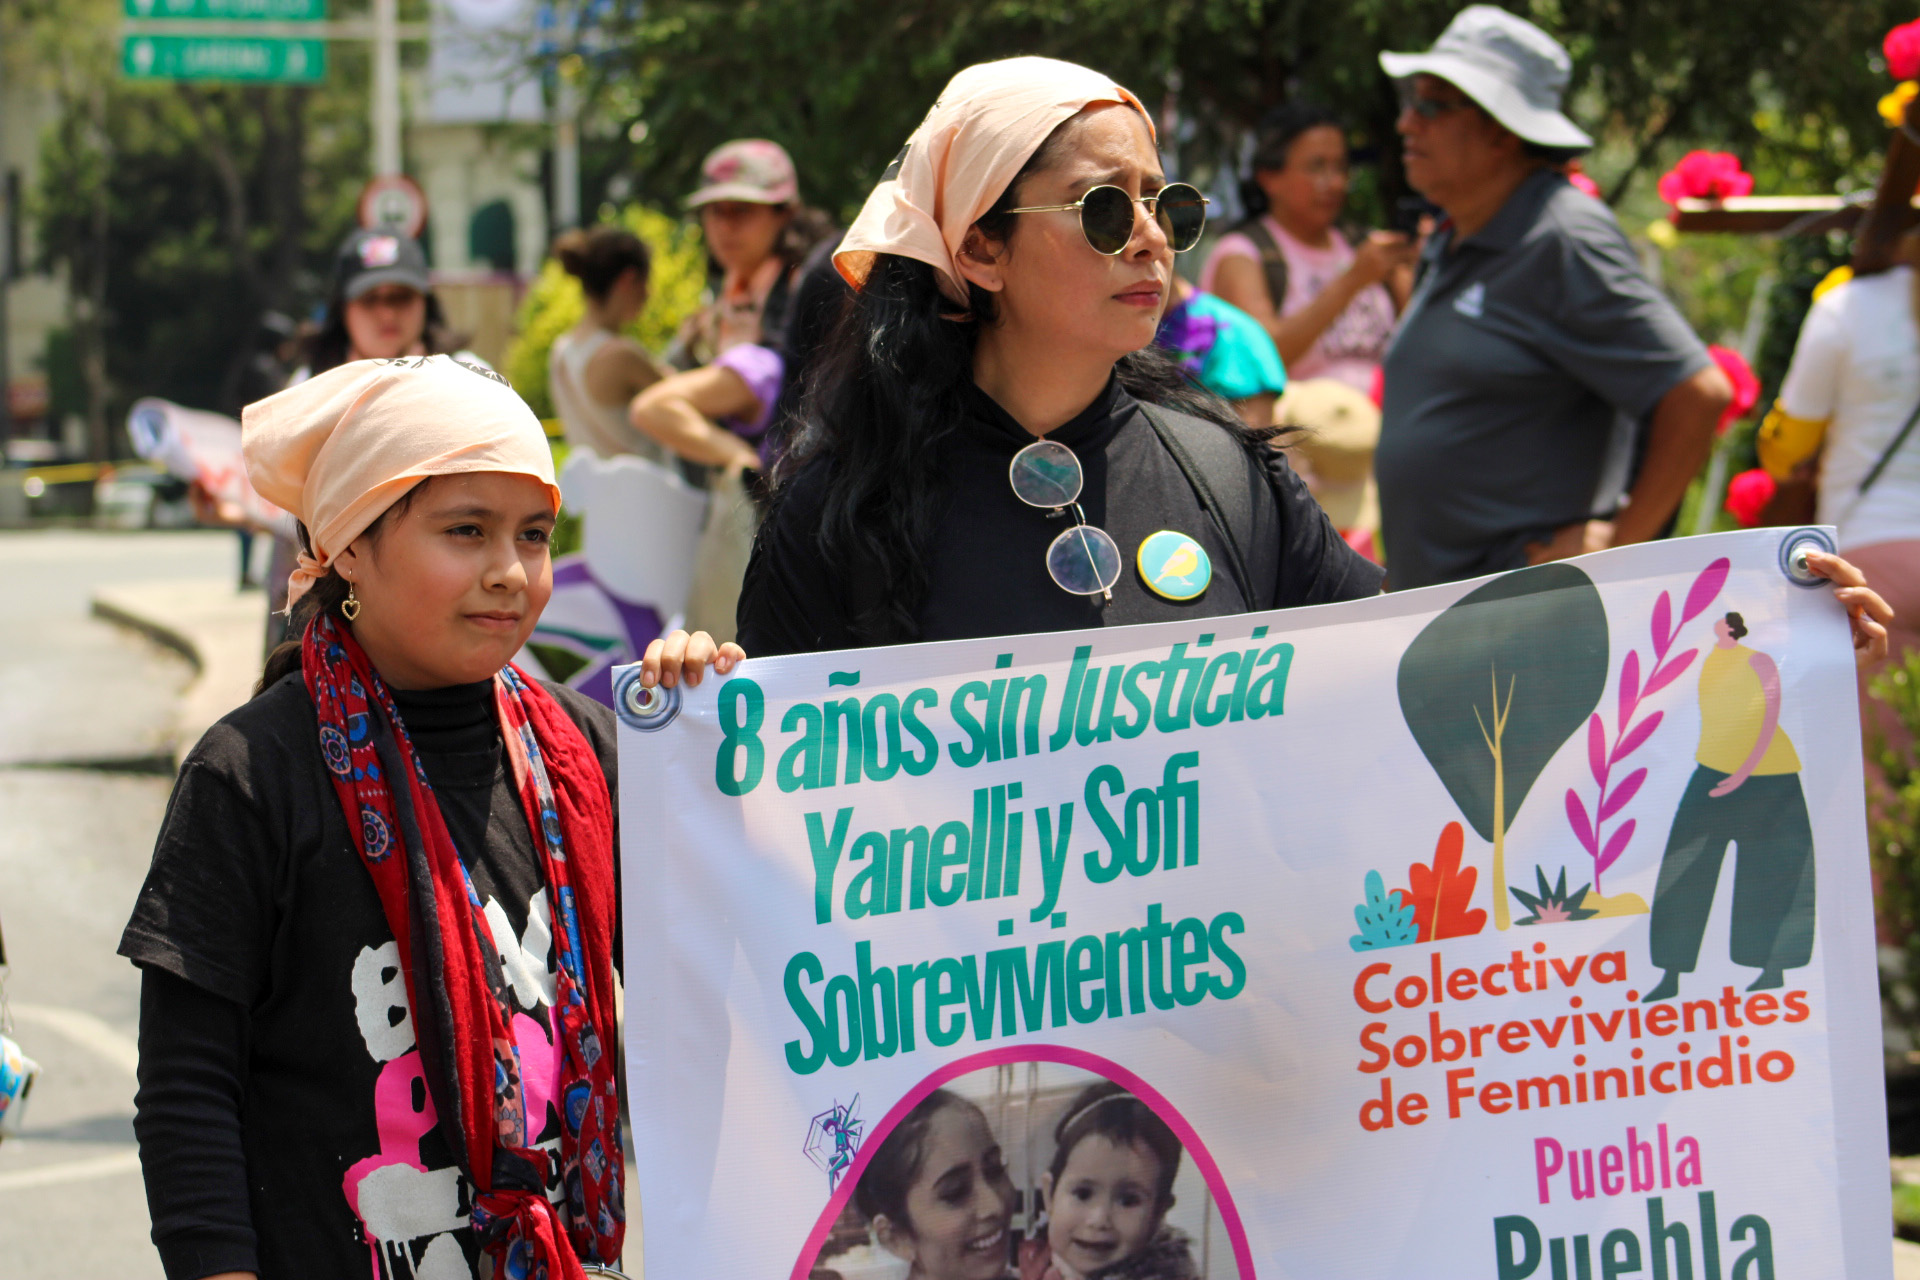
<point x="1202" y="1158"/>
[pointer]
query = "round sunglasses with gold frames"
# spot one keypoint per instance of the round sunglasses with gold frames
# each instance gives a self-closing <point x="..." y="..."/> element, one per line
<point x="1107" y="218"/>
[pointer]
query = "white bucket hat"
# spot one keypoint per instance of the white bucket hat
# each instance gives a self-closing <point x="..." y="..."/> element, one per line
<point x="1512" y="69"/>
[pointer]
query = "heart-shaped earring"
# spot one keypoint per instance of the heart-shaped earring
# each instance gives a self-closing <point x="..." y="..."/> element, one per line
<point x="350" y="607"/>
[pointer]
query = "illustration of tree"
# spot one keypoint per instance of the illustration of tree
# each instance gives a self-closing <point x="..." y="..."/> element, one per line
<point x="1602" y="755"/>
<point x="1493" y="686"/>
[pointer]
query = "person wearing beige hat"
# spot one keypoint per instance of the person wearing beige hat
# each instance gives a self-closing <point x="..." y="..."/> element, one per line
<point x="1338" y="429"/>
<point x="717" y="413"/>
<point x="717" y="410"/>
<point x="351" y="861"/>
<point x="1531" y="330"/>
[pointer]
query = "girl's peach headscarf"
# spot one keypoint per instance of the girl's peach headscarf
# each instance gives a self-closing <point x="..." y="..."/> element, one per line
<point x="984" y="127"/>
<point x="340" y="448"/>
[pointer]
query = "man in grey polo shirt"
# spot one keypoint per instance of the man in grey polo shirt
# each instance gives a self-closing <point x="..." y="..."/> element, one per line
<point x="1531" y="333"/>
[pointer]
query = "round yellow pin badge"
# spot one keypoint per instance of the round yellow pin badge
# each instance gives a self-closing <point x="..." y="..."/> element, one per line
<point x="1173" y="566"/>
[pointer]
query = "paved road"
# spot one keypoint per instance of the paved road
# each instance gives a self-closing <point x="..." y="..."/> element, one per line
<point x="85" y="718"/>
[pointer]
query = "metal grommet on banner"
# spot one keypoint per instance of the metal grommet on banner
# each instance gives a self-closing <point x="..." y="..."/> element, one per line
<point x="643" y="708"/>
<point x="1793" y="555"/>
<point x="594" y="1269"/>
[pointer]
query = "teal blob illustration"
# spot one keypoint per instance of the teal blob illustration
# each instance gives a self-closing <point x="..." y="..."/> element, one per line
<point x="1173" y="565"/>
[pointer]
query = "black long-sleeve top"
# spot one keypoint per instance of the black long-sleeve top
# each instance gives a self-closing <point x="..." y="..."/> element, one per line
<point x="283" y="1128"/>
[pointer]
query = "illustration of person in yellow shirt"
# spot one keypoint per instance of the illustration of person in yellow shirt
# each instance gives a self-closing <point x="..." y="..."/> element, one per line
<point x="1745" y="792"/>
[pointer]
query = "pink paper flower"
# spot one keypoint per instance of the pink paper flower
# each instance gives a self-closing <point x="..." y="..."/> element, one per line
<point x="1705" y="175"/>
<point x="1902" y="47"/>
<point x="1746" y="387"/>
<point x="1748" y="495"/>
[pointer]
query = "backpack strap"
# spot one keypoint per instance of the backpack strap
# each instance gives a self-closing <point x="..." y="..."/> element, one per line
<point x="1273" y="260"/>
<point x="1892" y="448"/>
<point x="1215" y="463"/>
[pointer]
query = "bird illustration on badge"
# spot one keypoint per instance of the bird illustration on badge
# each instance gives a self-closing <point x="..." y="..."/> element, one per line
<point x="1745" y="791"/>
<point x="1173" y="565"/>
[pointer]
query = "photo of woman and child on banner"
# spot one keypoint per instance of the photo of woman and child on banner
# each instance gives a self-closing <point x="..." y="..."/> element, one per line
<point x="1039" y="1170"/>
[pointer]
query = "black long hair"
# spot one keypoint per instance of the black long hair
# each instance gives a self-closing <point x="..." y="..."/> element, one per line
<point x="898" y="1161"/>
<point x="1279" y="129"/>
<point x="885" y="394"/>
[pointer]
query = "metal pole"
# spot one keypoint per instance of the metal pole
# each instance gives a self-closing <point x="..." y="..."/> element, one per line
<point x="566" y="120"/>
<point x="566" y="153"/>
<point x="386" y="88"/>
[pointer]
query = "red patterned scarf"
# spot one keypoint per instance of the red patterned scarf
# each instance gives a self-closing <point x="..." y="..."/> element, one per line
<point x="461" y="1014"/>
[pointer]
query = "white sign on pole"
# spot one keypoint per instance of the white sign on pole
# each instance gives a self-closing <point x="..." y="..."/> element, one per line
<point x="1515" y="929"/>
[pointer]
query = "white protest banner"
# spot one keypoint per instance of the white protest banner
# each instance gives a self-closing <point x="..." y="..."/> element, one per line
<point x="1510" y="929"/>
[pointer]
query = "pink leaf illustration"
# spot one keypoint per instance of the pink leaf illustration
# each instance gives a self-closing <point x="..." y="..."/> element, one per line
<point x="1597" y="749"/>
<point x="1615" y="847"/>
<point x="1705" y="588"/>
<point x="1641" y="732"/>
<point x="1582" y="829"/>
<point x="1622" y="794"/>
<point x="1667" y="674"/>
<point x="1662" y="632"/>
<point x="1629" y="687"/>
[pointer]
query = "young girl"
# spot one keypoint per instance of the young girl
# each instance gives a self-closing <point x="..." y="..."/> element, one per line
<point x="1107" y="1195"/>
<point x="377" y="941"/>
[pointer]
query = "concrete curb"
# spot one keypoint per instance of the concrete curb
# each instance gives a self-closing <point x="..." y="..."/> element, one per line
<point x="219" y="629"/>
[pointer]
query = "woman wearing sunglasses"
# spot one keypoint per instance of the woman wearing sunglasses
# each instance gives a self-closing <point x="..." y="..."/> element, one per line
<point x="991" y="444"/>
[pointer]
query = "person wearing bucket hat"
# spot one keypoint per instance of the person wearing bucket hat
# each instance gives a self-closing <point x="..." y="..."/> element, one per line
<point x="1511" y="69"/>
<point x="1530" y="331"/>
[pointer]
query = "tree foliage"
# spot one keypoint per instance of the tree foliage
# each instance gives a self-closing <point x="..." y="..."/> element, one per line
<point x="181" y="212"/>
<point x="841" y="83"/>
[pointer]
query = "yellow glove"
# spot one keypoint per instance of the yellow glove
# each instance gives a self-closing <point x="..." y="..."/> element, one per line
<point x="1785" y="441"/>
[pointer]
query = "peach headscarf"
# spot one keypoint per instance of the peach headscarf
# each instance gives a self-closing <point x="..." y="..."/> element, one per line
<point x="342" y="447"/>
<point x="983" y="128"/>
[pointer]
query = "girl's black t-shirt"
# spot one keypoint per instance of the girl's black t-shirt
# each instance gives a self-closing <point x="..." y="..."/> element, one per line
<point x="987" y="573"/>
<point x="258" y="920"/>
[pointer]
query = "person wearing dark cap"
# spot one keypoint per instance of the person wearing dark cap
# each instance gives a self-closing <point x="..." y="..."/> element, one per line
<point x="380" y="304"/>
<point x="1531" y="329"/>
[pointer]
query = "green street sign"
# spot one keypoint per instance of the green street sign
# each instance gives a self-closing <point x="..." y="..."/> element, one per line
<point x="230" y="10"/>
<point x="224" y="58"/>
